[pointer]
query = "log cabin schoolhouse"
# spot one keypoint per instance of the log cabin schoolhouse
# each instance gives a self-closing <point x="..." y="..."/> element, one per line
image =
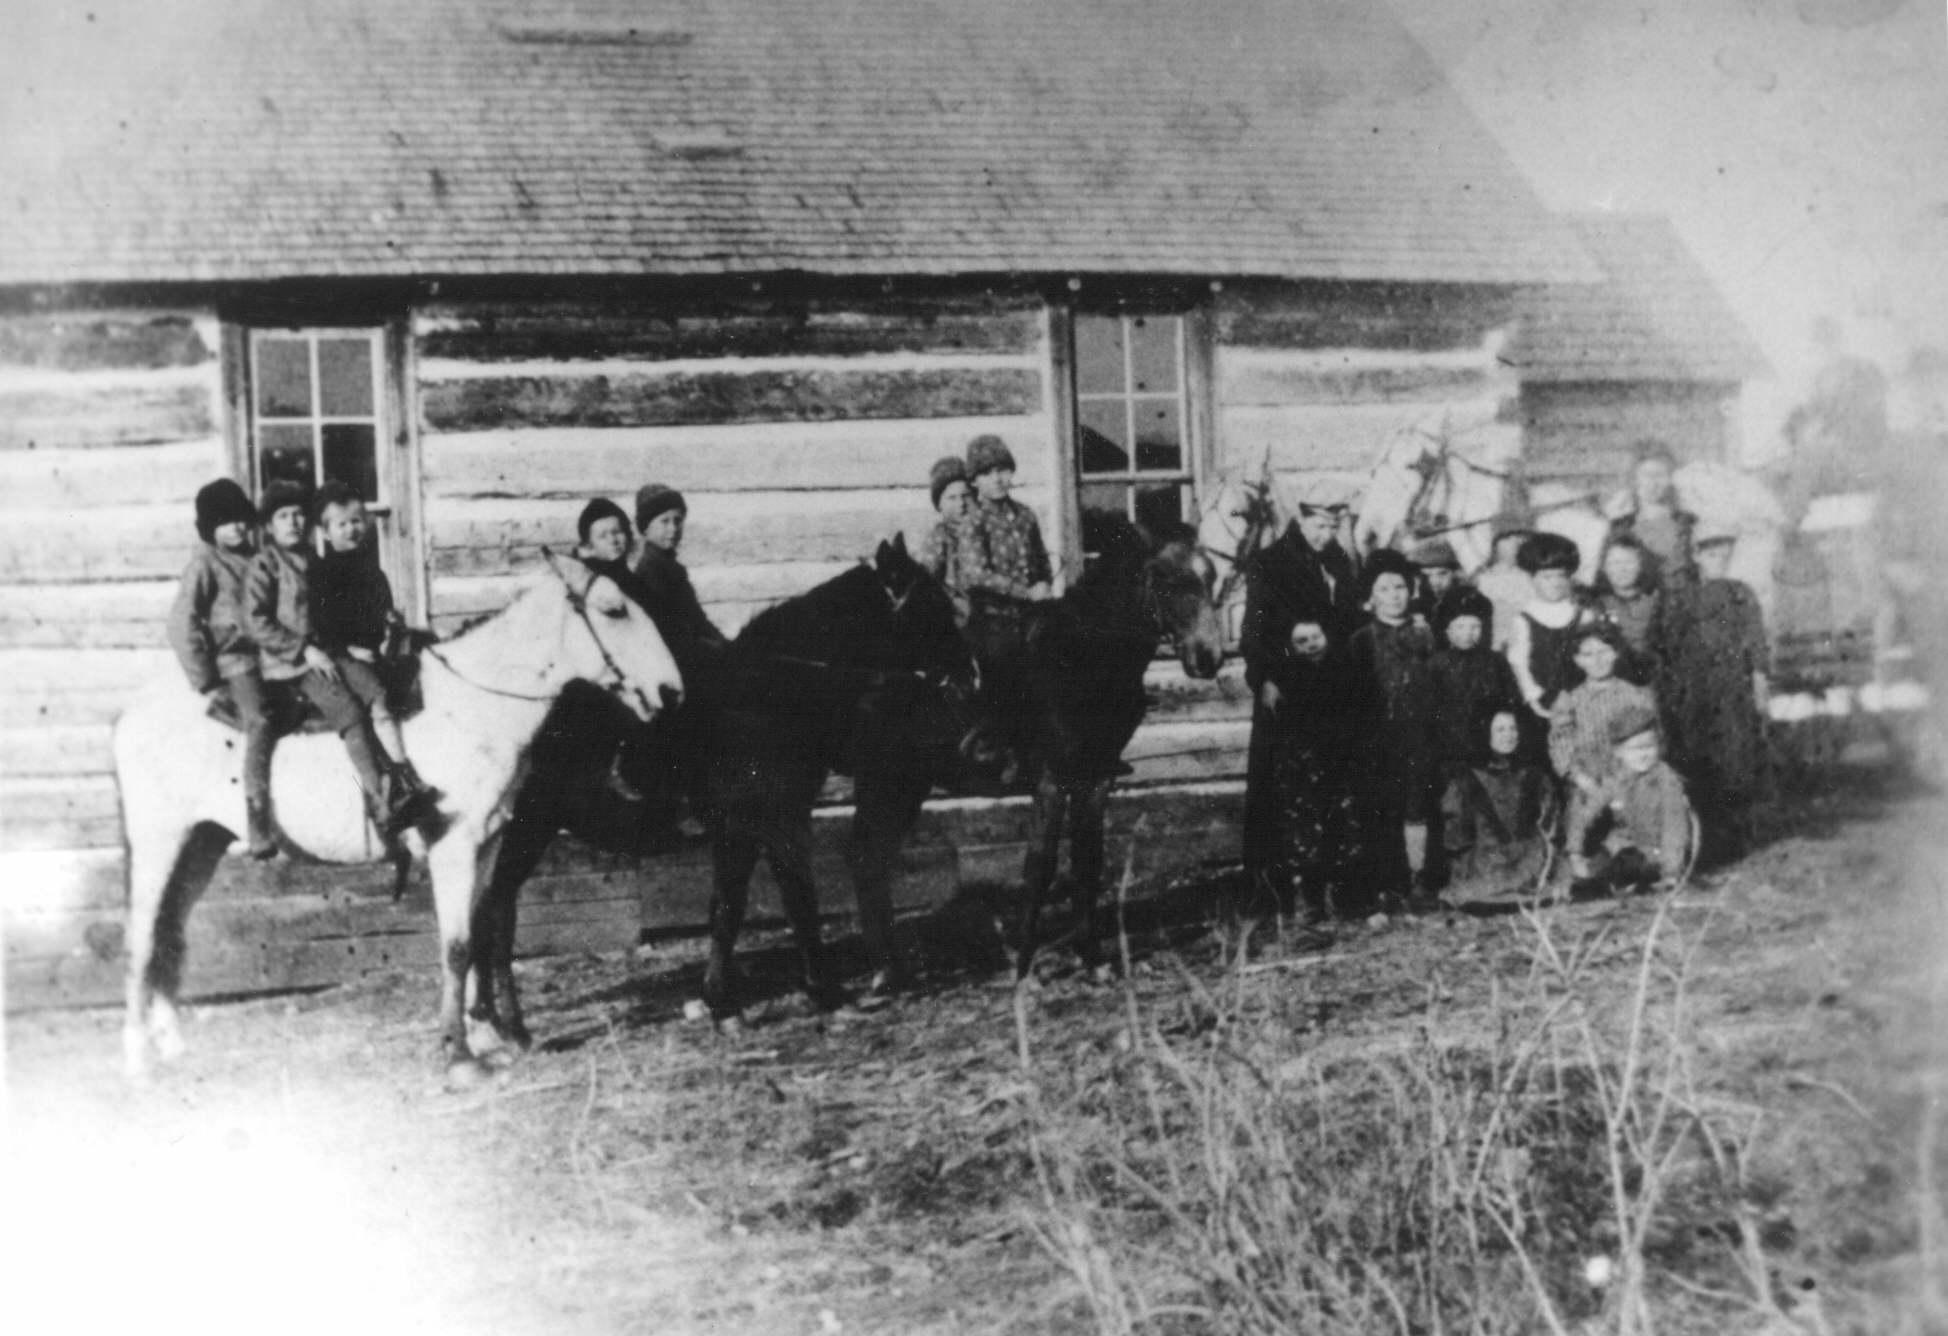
<point x="486" y="260"/>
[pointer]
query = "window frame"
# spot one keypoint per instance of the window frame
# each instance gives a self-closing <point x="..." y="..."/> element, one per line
<point x="399" y="505"/>
<point x="1196" y="411"/>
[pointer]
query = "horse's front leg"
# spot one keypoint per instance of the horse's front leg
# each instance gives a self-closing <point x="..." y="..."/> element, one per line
<point x="885" y="812"/>
<point x="790" y="851"/>
<point x="497" y="1001"/>
<point x="458" y="864"/>
<point x="1038" y="866"/>
<point x="1088" y="808"/>
<point x="734" y="856"/>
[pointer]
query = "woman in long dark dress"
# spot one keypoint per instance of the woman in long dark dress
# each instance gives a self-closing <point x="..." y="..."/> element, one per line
<point x="1330" y="831"/>
<point x="1719" y="667"/>
<point x="1305" y="573"/>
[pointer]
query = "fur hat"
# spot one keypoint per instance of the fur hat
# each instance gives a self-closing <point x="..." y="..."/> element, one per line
<point x="1386" y="561"/>
<point x="1437" y="553"/>
<point x="652" y="499"/>
<point x="219" y="503"/>
<point x="946" y="471"/>
<point x="1549" y="552"/>
<point x="985" y="454"/>
<point x="600" y="508"/>
<point x="280" y="494"/>
<point x="1630" y="721"/>
<point x="1468" y="602"/>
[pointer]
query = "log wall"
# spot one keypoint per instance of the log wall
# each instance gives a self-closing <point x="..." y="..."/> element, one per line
<point x="1585" y="434"/>
<point x="1318" y="378"/>
<point x="800" y="435"/>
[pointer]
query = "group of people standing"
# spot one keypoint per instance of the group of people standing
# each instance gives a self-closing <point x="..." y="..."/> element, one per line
<point x="1415" y="733"/>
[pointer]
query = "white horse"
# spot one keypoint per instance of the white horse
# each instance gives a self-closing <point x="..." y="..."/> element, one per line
<point x="486" y="694"/>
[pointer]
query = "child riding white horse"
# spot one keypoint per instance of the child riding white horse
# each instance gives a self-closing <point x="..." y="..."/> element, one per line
<point x="486" y="695"/>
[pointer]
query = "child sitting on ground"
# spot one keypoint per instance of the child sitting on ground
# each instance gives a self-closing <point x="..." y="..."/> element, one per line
<point x="207" y="631"/>
<point x="1637" y="831"/>
<point x="279" y="609"/>
<point x="1498" y="816"/>
<point x="1579" y="727"/>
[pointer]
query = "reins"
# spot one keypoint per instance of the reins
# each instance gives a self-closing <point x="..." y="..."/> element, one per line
<point x="577" y="600"/>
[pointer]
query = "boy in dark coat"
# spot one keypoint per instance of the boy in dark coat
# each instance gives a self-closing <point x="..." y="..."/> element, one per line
<point x="208" y="633"/>
<point x="677" y="764"/>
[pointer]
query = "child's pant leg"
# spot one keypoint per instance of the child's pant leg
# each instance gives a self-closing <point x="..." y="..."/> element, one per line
<point x="369" y="689"/>
<point x="346" y="717"/>
<point x="247" y="691"/>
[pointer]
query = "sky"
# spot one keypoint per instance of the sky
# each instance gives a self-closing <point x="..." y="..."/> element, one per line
<point x="1799" y="146"/>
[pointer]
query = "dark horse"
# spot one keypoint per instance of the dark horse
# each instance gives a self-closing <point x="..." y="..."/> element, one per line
<point x="865" y="675"/>
<point x="1086" y="657"/>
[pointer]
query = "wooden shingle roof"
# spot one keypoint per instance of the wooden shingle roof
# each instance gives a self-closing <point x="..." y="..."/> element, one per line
<point x="1657" y="315"/>
<point x="245" y="140"/>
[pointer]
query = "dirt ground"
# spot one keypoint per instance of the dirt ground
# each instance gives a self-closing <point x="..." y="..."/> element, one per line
<point x="303" y="1169"/>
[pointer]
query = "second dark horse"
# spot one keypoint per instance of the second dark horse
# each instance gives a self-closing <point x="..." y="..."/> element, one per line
<point x="1087" y="656"/>
<point x="865" y="675"/>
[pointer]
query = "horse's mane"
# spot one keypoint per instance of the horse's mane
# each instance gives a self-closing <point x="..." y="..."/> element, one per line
<point x="818" y="612"/>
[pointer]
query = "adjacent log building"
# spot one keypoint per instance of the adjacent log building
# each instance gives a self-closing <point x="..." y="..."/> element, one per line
<point x="485" y="260"/>
<point x="1653" y="350"/>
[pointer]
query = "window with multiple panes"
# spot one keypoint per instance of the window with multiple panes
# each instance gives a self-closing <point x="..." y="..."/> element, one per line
<point x="1132" y="415"/>
<point x="316" y="408"/>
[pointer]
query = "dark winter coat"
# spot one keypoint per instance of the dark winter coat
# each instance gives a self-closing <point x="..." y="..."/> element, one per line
<point x="351" y="602"/>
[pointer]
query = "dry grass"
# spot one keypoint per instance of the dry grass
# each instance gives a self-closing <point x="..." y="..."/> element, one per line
<point x="1563" y="1158"/>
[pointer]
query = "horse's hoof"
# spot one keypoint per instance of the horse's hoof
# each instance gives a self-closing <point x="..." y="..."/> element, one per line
<point x="829" y="998"/>
<point x="500" y="1059"/>
<point x="467" y="1074"/>
<point x="521" y="1038"/>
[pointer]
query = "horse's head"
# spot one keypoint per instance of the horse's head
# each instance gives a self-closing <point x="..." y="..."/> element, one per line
<point x="926" y="639"/>
<point x="1182" y="587"/>
<point x="607" y="639"/>
<point x="1239" y="517"/>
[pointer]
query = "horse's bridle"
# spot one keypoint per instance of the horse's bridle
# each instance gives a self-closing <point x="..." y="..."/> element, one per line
<point x="614" y="678"/>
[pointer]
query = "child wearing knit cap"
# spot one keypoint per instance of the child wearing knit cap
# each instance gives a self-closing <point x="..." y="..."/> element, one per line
<point x="208" y="632"/>
<point x="1580" y="747"/>
<point x="941" y="552"/>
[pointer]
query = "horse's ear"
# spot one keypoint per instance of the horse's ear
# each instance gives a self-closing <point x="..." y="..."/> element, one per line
<point x="880" y="553"/>
<point x="899" y="543"/>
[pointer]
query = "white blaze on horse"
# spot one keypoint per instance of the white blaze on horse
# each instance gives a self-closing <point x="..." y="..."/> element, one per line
<point x="486" y="694"/>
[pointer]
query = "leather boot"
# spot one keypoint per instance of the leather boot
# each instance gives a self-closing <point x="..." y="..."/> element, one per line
<point x="261" y="832"/>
